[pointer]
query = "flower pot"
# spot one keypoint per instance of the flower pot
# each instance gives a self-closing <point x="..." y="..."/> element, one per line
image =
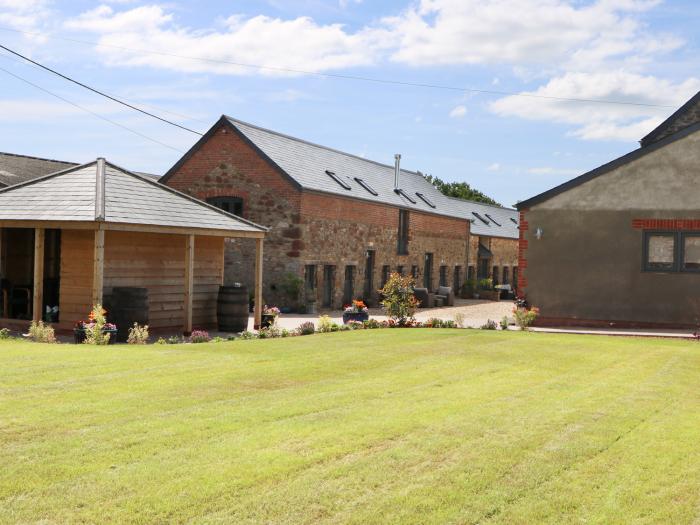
<point x="79" y="336"/>
<point x="360" y="317"/>
<point x="267" y="320"/>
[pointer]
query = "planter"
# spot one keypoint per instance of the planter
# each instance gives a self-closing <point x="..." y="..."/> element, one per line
<point x="360" y="317"/>
<point x="267" y="320"/>
<point x="79" y="336"/>
<point x="490" y="295"/>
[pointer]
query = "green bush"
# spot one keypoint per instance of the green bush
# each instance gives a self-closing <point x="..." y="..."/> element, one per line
<point x="325" y="325"/>
<point x="524" y="317"/>
<point x="4" y="334"/>
<point x="138" y="335"/>
<point x="489" y="325"/>
<point x="306" y="328"/>
<point x="42" y="333"/>
<point x="504" y="323"/>
<point x="486" y="284"/>
<point x="399" y="301"/>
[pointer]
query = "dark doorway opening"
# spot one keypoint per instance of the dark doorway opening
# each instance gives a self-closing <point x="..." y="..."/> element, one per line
<point x="369" y="277"/>
<point x="428" y="272"/>
<point x="328" y="285"/>
<point x="349" y="286"/>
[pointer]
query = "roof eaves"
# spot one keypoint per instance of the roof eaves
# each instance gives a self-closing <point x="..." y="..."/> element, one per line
<point x="606" y="168"/>
<point x="649" y="139"/>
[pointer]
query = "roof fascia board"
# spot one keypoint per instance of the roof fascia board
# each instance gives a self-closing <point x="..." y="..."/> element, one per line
<point x="648" y="139"/>
<point x="606" y="168"/>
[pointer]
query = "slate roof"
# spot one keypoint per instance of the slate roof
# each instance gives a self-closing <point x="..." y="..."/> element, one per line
<point x="15" y="169"/>
<point x="70" y="195"/>
<point x="687" y="115"/>
<point x="307" y="165"/>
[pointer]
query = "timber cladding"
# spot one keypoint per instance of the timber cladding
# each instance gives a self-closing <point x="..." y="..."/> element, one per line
<point x="143" y="260"/>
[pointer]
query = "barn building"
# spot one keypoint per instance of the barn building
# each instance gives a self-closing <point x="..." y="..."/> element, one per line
<point x="339" y="223"/>
<point x="620" y="245"/>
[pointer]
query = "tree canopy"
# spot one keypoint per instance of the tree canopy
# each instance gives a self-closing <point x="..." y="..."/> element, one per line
<point x="459" y="190"/>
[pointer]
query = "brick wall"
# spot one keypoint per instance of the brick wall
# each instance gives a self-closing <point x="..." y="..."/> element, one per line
<point x="522" y="255"/>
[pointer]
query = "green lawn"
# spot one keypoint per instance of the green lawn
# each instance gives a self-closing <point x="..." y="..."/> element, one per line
<point x="383" y="426"/>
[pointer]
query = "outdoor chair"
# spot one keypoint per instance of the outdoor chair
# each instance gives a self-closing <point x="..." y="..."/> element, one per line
<point x="424" y="297"/>
<point x="20" y="302"/>
<point x="447" y="296"/>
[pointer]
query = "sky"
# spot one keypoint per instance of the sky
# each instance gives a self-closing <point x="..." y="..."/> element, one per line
<point x="277" y="63"/>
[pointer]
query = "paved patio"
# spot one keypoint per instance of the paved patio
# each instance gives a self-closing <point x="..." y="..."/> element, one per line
<point x="476" y="313"/>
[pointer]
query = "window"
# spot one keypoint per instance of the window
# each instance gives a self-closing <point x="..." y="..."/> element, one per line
<point x="505" y="275"/>
<point x="494" y="275"/>
<point x="414" y="271"/>
<point x="328" y="285"/>
<point x="228" y="204"/>
<point x="399" y="270"/>
<point x="386" y="269"/>
<point x="660" y="252"/>
<point x="366" y="186"/>
<point x="425" y="199"/>
<point x="340" y="181"/>
<point x="369" y="277"/>
<point x="470" y="273"/>
<point x="405" y="195"/>
<point x="480" y="218"/>
<point x="402" y="248"/>
<point x="349" y="285"/>
<point x="492" y="219"/>
<point x="457" y="279"/>
<point x="671" y="252"/>
<point x="443" y="275"/>
<point x="514" y="221"/>
<point x="310" y="277"/>
<point x="428" y="272"/>
<point x="691" y="252"/>
<point x="515" y="277"/>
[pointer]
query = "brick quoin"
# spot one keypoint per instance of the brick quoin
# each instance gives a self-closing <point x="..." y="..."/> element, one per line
<point x="522" y="253"/>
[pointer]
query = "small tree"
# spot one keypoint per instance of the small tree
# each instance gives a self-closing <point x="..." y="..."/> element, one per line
<point x="398" y="301"/>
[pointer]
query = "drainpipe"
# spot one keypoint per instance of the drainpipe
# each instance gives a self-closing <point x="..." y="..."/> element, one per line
<point x="397" y="170"/>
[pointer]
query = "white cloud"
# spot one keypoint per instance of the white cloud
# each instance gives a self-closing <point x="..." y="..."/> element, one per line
<point x="24" y="15"/>
<point x="517" y="32"/>
<point x="458" y="112"/>
<point x="494" y="167"/>
<point x="596" y="120"/>
<point x="299" y="43"/>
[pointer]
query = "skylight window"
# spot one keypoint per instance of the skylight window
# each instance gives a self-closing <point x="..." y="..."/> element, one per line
<point x="399" y="191"/>
<point x="480" y="218"/>
<point x="425" y="199"/>
<point x="514" y="221"/>
<point x="340" y="181"/>
<point x="366" y="186"/>
<point x="493" y="220"/>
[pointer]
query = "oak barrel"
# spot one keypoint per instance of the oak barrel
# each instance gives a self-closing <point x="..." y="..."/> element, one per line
<point x="128" y="305"/>
<point x="232" y="308"/>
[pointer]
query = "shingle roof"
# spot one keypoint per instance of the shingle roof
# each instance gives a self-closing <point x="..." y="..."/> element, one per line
<point x="15" y="169"/>
<point x="70" y="195"/>
<point x="308" y="165"/>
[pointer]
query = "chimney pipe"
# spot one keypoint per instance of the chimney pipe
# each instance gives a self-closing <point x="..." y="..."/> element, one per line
<point x="397" y="170"/>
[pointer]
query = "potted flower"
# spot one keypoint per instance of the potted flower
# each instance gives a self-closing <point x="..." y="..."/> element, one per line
<point x="357" y="311"/>
<point x="269" y="316"/>
<point x="96" y="330"/>
<point x="487" y="291"/>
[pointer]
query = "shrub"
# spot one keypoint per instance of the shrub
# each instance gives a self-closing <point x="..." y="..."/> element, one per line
<point x="325" y="325"/>
<point x="306" y="328"/>
<point x="524" y="317"/>
<point x="94" y="330"/>
<point x="489" y="325"/>
<point x="398" y="301"/>
<point x="218" y="339"/>
<point x="199" y="336"/>
<point x="42" y="333"/>
<point x="247" y="334"/>
<point x="4" y="334"/>
<point x="138" y="335"/>
<point x="459" y="319"/>
<point x="486" y="284"/>
<point x="504" y="323"/>
<point x="371" y="324"/>
<point x="355" y="325"/>
<point x="434" y="322"/>
<point x="285" y="333"/>
<point x="161" y="341"/>
<point x="174" y="340"/>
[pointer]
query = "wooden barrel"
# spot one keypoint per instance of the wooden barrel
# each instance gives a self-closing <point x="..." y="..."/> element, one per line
<point x="128" y="306"/>
<point x="232" y="308"/>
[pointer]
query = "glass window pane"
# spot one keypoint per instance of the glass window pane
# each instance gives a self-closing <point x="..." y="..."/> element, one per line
<point x="660" y="252"/>
<point x="691" y="252"/>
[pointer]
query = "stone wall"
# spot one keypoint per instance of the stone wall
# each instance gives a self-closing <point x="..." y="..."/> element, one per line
<point x="338" y="232"/>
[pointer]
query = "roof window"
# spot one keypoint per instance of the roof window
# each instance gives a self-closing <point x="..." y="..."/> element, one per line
<point x="493" y="220"/>
<point x="366" y="186"/>
<point x="425" y="199"/>
<point x="514" y="221"/>
<point x="402" y="193"/>
<point x="480" y="218"/>
<point x="335" y="177"/>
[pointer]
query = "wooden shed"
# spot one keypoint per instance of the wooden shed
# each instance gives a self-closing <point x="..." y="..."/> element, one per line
<point x="68" y="238"/>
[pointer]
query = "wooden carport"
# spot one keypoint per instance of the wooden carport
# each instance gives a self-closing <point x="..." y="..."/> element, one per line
<point x="118" y="228"/>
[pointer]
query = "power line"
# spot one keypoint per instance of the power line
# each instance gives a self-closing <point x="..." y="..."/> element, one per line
<point x="348" y="77"/>
<point x="90" y="111"/>
<point x="101" y="93"/>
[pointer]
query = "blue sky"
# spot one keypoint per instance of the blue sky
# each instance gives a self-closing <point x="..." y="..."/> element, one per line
<point x="511" y="147"/>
